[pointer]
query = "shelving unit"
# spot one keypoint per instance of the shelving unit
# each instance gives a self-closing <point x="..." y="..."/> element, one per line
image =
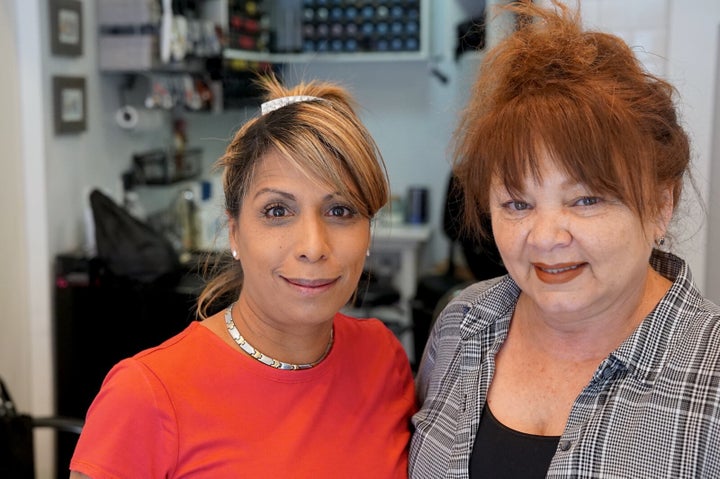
<point x="381" y="30"/>
<point x="288" y="58"/>
<point x="372" y="22"/>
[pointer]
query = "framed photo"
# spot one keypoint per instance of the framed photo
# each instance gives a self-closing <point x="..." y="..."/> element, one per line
<point x="66" y="27"/>
<point x="70" y="104"/>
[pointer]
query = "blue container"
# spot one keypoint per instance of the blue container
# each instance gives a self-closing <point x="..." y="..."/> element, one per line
<point x="416" y="206"/>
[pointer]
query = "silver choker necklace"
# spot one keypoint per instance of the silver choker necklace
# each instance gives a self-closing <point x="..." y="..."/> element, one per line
<point x="267" y="360"/>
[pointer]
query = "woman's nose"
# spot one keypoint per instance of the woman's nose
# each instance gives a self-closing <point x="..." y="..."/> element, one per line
<point x="312" y="239"/>
<point x="549" y="228"/>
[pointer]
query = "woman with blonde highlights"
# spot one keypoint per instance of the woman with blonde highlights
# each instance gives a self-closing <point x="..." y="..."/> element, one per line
<point x="273" y="381"/>
<point x="596" y="356"/>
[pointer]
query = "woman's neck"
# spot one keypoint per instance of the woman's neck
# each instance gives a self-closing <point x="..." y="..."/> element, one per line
<point x="294" y="344"/>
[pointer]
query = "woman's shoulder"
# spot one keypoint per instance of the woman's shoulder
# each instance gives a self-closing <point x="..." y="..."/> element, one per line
<point x="687" y="314"/>
<point x="365" y="330"/>
<point x="364" y="325"/>
<point x="700" y="328"/>
<point x="189" y="356"/>
<point x="366" y="334"/>
<point x="475" y="291"/>
<point x="193" y="340"/>
<point x="481" y="301"/>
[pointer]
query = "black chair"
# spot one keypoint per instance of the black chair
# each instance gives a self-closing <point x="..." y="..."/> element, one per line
<point x="376" y="290"/>
<point x="17" y="446"/>
<point x="481" y="258"/>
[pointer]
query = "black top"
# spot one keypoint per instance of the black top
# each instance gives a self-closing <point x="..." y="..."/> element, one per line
<point x="501" y="452"/>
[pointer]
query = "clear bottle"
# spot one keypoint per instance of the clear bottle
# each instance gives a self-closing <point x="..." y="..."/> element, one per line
<point x="186" y="215"/>
<point x="209" y="218"/>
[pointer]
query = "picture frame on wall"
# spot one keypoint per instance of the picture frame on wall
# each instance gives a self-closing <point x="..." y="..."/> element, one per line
<point x="66" y="27"/>
<point x="69" y="104"/>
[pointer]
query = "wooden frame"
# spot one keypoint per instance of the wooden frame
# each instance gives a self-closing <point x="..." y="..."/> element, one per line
<point x="66" y="27"/>
<point x="70" y="104"/>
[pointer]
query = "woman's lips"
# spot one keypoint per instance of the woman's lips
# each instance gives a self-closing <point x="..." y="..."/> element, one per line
<point x="311" y="284"/>
<point x="558" y="273"/>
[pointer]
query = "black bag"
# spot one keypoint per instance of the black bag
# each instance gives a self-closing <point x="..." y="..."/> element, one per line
<point x="129" y="247"/>
<point x="16" y="440"/>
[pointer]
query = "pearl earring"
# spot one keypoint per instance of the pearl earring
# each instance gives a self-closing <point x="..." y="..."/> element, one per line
<point x="234" y="254"/>
<point x="367" y="253"/>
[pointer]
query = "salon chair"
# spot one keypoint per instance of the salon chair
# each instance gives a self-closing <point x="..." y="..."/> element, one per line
<point x="17" y="444"/>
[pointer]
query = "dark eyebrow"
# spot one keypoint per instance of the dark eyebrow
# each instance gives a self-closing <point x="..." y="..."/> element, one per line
<point x="274" y="191"/>
<point x="290" y="196"/>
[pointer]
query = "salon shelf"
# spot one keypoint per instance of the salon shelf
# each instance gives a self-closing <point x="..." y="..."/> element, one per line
<point x="287" y="58"/>
<point x="194" y="65"/>
<point x="283" y="21"/>
<point x="162" y="167"/>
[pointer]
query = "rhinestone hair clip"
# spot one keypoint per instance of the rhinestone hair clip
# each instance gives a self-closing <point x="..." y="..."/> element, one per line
<point x="277" y="103"/>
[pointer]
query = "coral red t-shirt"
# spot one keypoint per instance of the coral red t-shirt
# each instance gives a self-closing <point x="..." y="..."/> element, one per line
<point x="196" y="407"/>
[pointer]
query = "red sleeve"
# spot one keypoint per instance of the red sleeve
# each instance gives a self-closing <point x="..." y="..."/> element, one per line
<point x="130" y="428"/>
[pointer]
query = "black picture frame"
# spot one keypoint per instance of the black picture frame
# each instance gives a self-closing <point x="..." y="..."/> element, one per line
<point x="70" y="104"/>
<point x="66" y="27"/>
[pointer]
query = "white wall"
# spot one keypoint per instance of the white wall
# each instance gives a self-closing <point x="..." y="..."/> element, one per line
<point x="692" y="67"/>
<point x="713" y="258"/>
<point x="24" y="344"/>
<point x="13" y="276"/>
